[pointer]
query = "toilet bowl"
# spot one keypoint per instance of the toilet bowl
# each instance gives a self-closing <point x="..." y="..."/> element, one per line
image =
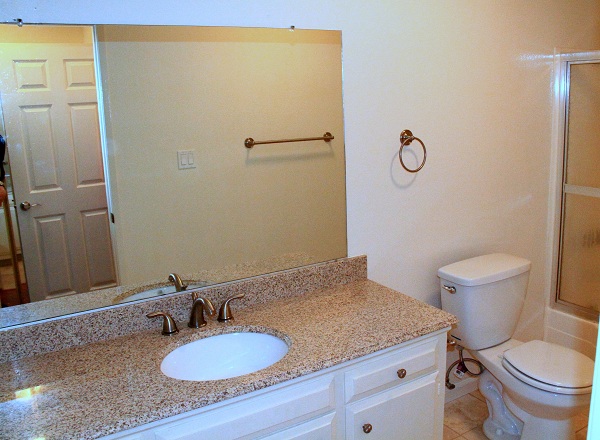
<point x="545" y="409"/>
<point x="532" y="389"/>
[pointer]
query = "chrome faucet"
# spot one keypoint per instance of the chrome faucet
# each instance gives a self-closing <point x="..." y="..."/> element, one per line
<point x="199" y="305"/>
<point x="179" y="286"/>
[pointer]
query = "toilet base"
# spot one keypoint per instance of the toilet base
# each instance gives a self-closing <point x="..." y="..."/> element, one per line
<point x="501" y="423"/>
<point x="535" y="428"/>
<point x="507" y="421"/>
<point x="495" y="432"/>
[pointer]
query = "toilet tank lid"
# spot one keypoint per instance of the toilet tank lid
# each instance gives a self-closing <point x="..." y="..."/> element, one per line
<point x="484" y="269"/>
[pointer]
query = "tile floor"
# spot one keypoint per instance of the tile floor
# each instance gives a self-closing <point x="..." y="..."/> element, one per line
<point x="464" y="417"/>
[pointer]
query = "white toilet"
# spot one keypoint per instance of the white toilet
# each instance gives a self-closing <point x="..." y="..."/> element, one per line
<point x="533" y="389"/>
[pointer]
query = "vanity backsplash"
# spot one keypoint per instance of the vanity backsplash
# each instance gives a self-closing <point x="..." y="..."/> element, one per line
<point x="121" y="320"/>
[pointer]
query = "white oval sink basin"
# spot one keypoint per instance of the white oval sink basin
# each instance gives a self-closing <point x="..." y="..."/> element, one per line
<point x="223" y="356"/>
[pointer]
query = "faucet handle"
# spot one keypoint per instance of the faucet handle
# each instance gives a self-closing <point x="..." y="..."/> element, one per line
<point x="225" y="310"/>
<point x="169" y="326"/>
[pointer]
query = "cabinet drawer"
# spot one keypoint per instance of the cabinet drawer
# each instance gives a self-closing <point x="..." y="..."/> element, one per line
<point x="383" y="372"/>
<point x="257" y="416"/>
<point x="321" y="428"/>
<point x="138" y="436"/>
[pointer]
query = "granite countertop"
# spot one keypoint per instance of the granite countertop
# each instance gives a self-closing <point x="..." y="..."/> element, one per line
<point x="101" y="388"/>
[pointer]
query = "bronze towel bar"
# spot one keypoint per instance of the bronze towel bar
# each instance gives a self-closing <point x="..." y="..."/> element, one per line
<point x="249" y="142"/>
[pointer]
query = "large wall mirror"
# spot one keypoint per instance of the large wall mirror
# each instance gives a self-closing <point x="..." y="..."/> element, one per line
<point x="126" y="160"/>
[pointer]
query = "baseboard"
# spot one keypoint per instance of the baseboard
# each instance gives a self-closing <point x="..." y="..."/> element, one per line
<point x="462" y="387"/>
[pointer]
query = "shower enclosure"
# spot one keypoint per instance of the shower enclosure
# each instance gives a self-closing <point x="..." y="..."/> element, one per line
<point x="578" y="273"/>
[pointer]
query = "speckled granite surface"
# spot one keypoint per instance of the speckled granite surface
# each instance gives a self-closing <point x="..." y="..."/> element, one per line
<point x="93" y="390"/>
<point x="124" y="319"/>
<point x="105" y="387"/>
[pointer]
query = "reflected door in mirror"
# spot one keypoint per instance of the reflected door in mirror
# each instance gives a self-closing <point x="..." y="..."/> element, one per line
<point x="49" y="104"/>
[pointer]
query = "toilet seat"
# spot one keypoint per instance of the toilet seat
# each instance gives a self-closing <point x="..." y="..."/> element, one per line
<point x="550" y="367"/>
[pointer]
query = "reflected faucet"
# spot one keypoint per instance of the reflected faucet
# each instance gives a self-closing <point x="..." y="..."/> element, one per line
<point x="179" y="286"/>
<point x="199" y="305"/>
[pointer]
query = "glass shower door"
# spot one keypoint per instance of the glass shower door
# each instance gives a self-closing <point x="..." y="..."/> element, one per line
<point x="579" y="263"/>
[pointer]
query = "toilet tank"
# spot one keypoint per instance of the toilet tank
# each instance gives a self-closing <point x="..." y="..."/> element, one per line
<point x="489" y="296"/>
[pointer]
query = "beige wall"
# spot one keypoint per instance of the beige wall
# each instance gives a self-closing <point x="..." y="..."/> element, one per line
<point x="46" y="34"/>
<point x="472" y="78"/>
<point x="208" y="89"/>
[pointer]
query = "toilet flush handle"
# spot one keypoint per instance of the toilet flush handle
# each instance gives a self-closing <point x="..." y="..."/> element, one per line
<point x="450" y="289"/>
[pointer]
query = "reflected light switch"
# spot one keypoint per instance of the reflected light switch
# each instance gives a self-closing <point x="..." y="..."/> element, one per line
<point x="182" y="159"/>
<point x="185" y="159"/>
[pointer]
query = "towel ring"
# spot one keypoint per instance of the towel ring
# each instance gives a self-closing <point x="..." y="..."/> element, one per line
<point x="406" y="138"/>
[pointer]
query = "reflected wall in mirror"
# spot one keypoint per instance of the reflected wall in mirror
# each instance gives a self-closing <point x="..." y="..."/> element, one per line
<point x="186" y="195"/>
<point x="234" y="204"/>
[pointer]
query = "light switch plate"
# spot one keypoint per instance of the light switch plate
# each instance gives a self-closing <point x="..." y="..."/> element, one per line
<point x="185" y="159"/>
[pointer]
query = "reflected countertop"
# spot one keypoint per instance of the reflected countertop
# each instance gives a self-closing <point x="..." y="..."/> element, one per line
<point x="105" y="387"/>
<point x="66" y="305"/>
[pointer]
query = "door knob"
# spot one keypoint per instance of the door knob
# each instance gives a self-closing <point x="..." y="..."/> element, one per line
<point x="26" y="206"/>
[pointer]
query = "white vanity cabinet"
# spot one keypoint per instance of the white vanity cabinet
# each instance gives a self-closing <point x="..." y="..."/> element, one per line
<point x="396" y="393"/>
<point x="402" y="412"/>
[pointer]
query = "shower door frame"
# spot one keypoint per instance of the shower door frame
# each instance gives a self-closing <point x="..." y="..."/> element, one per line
<point x="562" y="62"/>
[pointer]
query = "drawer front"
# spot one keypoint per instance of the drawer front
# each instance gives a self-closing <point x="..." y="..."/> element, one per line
<point x="390" y="370"/>
<point x="393" y="415"/>
<point x="321" y="428"/>
<point x="257" y="416"/>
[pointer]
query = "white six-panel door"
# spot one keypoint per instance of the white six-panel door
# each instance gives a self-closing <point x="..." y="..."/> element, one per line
<point x="50" y="110"/>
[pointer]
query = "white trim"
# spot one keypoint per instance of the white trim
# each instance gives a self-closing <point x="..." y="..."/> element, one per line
<point x="462" y="388"/>
<point x="594" y="415"/>
<point x="582" y="190"/>
<point x="105" y="155"/>
<point x="580" y="57"/>
<point x="555" y="181"/>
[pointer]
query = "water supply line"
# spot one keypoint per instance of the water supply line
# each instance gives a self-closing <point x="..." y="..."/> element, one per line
<point x="462" y="367"/>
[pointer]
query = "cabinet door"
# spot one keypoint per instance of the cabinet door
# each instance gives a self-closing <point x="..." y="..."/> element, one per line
<point x="405" y="412"/>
